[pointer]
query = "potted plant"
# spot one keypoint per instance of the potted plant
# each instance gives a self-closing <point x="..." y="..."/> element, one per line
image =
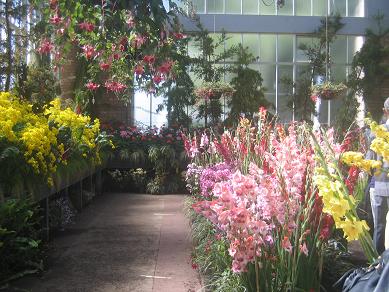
<point x="328" y="90"/>
<point x="214" y="90"/>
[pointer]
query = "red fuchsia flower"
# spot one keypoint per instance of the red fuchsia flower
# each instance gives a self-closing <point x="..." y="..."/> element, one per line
<point x="116" y="56"/>
<point x="166" y="67"/>
<point x="105" y="66"/>
<point x="179" y="35"/>
<point x="115" y="86"/>
<point x="89" y="51"/>
<point x="314" y="98"/>
<point x="157" y="79"/>
<point x="56" y="19"/>
<point x="149" y="59"/>
<point x="92" y="86"/>
<point x="45" y="47"/>
<point x="138" y="41"/>
<point x="139" y="70"/>
<point x="87" y="26"/>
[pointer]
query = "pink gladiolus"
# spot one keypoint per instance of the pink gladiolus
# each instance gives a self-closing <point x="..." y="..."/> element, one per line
<point x="304" y="249"/>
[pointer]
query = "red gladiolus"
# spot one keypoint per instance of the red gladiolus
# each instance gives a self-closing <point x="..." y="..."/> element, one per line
<point x="139" y="70"/>
<point x="87" y="26"/>
<point x="262" y="113"/>
<point x="45" y="47"/>
<point x="92" y="86"/>
<point x="89" y="51"/>
<point x="149" y="59"/>
<point x="352" y="178"/>
<point x="326" y="227"/>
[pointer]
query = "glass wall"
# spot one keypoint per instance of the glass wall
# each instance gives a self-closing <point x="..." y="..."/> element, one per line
<point x="281" y="61"/>
<point x="346" y="8"/>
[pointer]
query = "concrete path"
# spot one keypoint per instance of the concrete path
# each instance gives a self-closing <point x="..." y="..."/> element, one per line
<point x="122" y="242"/>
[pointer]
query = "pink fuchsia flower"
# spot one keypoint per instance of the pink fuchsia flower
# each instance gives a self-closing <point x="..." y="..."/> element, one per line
<point x="105" y="66"/>
<point x="89" y="51"/>
<point x="139" y="70"/>
<point x="179" y="35"/>
<point x="45" y="47"/>
<point x="157" y="79"/>
<point x="314" y="98"/>
<point x="138" y="41"/>
<point x="87" y="26"/>
<point x="115" y="86"/>
<point x="56" y="19"/>
<point x="92" y="86"/>
<point x="149" y="59"/>
<point x="166" y="67"/>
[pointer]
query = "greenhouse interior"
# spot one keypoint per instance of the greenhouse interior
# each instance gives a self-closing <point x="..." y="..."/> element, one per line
<point x="194" y="145"/>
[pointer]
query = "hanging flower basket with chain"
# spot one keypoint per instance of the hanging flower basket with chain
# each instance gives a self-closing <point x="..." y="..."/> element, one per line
<point x="329" y="90"/>
<point x="214" y="90"/>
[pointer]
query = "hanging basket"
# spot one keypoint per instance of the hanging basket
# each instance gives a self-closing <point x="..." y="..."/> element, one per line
<point x="329" y="91"/>
<point x="214" y="91"/>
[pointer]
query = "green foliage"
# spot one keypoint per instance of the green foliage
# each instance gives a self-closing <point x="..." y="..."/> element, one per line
<point x="319" y="64"/>
<point x="20" y="245"/>
<point x="369" y="68"/>
<point x="40" y="86"/>
<point x="248" y="95"/>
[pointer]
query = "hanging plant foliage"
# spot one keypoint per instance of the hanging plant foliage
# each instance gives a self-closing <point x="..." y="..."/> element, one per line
<point x="214" y="90"/>
<point x="328" y="90"/>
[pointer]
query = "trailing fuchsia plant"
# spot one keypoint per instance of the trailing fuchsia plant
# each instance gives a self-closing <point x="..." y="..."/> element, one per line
<point x="267" y="209"/>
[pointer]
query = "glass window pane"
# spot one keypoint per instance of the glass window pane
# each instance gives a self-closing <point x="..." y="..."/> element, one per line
<point x="193" y="49"/>
<point x="338" y="6"/>
<point x="303" y="7"/>
<point x="267" y="48"/>
<point x="323" y="117"/>
<point x="232" y="6"/>
<point x="266" y="8"/>
<point x="338" y="50"/>
<point x="287" y="9"/>
<point x="233" y="39"/>
<point x="251" y="40"/>
<point x="300" y="41"/>
<point x="285" y="48"/>
<point x="268" y="73"/>
<point x="355" y="43"/>
<point x="272" y="99"/>
<point x="285" y="79"/>
<point x="199" y="6"/>
<point x="283" y="109"/>
<point x="356" y="8"/>
<point x="338" y="73"/>
<point x="215" y="6"/>
<point x="319" y="7"/>
<point x="250" y="6"/>
<point x="216" y="39"/>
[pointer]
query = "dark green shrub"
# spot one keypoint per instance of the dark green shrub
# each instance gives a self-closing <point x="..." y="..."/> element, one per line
<point x="20" y="244"/>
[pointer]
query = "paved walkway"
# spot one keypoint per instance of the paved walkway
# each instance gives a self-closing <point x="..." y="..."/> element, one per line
<point x="122" y="242"/>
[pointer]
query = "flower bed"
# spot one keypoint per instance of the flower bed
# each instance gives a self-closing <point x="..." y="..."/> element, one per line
<point x="150" y="160"/>
<point x="260" y="216"/>
<point x="34" y="145"/>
